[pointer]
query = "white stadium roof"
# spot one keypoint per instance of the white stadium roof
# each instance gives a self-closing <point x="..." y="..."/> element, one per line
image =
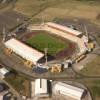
<point x="64" y="28"/>
<point x="24" y="50"/>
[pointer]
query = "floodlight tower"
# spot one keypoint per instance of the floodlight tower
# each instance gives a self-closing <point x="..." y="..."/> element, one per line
<point x="46" y="58"/>
<point x="4" y="33"/>
<point x="86" y="32"/>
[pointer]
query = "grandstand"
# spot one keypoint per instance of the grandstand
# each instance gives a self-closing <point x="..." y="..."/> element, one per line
<point x="24" y="50"/>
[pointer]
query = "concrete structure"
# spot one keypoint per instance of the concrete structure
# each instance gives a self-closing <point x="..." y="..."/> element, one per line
<point x="64" y="29"/>
<point x="36" y="27"/>
<point x="68" y="90"/>
<point x="67" y="33"/>
<point x="3" y="94"/>
<point x="41" y="88"/>
<point x="23" y="50"/>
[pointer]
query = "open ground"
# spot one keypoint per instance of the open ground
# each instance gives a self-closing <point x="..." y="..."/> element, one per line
<point x="50" y="9"/>
<point x="43" y="9"/>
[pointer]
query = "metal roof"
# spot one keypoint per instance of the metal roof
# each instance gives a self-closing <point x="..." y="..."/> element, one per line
<point x="69" y="90"/>
<point x="24" y="50"/>
<point x="64" y="28"/>
<point x="41" y="86"/>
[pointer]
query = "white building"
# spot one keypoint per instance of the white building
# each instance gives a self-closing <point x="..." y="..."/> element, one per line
<point x="67" y="33"/>
<point x="41" y="88"/>
<point x="3" y="72"/>
<point x="23" y="50"/>
<point x="64" y="29"/>
<point x="69" y="90"/>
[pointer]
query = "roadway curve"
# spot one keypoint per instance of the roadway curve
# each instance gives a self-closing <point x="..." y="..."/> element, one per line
<point x="14" y="63"/>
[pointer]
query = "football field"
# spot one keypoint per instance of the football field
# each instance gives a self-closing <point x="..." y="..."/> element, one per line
<point x="53" y="44"/>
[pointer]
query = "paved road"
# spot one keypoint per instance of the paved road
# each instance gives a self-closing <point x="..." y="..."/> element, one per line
<point x="16" y="63"/>
<point x="11" y="89"/>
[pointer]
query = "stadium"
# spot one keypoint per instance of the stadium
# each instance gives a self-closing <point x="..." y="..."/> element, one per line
<point x="51" y="39"/>
<point x="56" y="46"/>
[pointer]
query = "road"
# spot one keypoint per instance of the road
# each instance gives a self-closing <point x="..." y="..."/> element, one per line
<point x="11" y="89"/>
<point x="15" y="62"/>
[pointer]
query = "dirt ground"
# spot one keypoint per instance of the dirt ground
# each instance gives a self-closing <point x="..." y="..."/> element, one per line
<point x="10" y="19"/>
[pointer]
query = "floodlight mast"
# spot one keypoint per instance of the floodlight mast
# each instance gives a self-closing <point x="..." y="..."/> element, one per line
<point x="86" y="32"/>
<point x="46" y="58"/>
<point x="4" y="34"/>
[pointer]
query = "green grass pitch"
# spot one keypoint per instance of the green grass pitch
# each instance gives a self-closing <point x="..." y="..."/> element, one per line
<point x="41" y="41"/>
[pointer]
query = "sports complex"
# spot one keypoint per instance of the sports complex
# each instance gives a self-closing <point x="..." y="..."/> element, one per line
<point x="57" y="41"/>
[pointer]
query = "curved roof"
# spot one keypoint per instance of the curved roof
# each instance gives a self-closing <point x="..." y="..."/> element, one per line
<point x="69" y="90"/>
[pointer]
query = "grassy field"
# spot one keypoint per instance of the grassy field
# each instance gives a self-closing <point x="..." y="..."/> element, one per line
<point x="93" y="87"/>
<point x="92" y="67"/>
<point x="20" y="84"/>
<point x="41" y="41"/>
<point x="49" y="9"/>
<point x="33" y="7"/>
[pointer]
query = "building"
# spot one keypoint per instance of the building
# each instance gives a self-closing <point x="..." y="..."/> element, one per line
<point x="24" y="50"/>
<point x="64" y="32"/>
<point x="69" y="90"/>
<point x="67" y="33"/>
<point x="3" y="72"/>
<point x="4" y="91"/>
<point x="64" y="29"/>
<point x="41" y="88"/>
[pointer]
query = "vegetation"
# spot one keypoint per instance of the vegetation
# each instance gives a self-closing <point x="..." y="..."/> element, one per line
<point x="49" y="9"/>
<point x="20" y="84"/>
<point x="94" y="88"/>
<point x="92" y="67"/>
<point x="42" y="41"/>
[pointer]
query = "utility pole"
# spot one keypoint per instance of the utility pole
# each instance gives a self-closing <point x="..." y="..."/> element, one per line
<point x="46" y="58"/>
<point x="42" y="19"/>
